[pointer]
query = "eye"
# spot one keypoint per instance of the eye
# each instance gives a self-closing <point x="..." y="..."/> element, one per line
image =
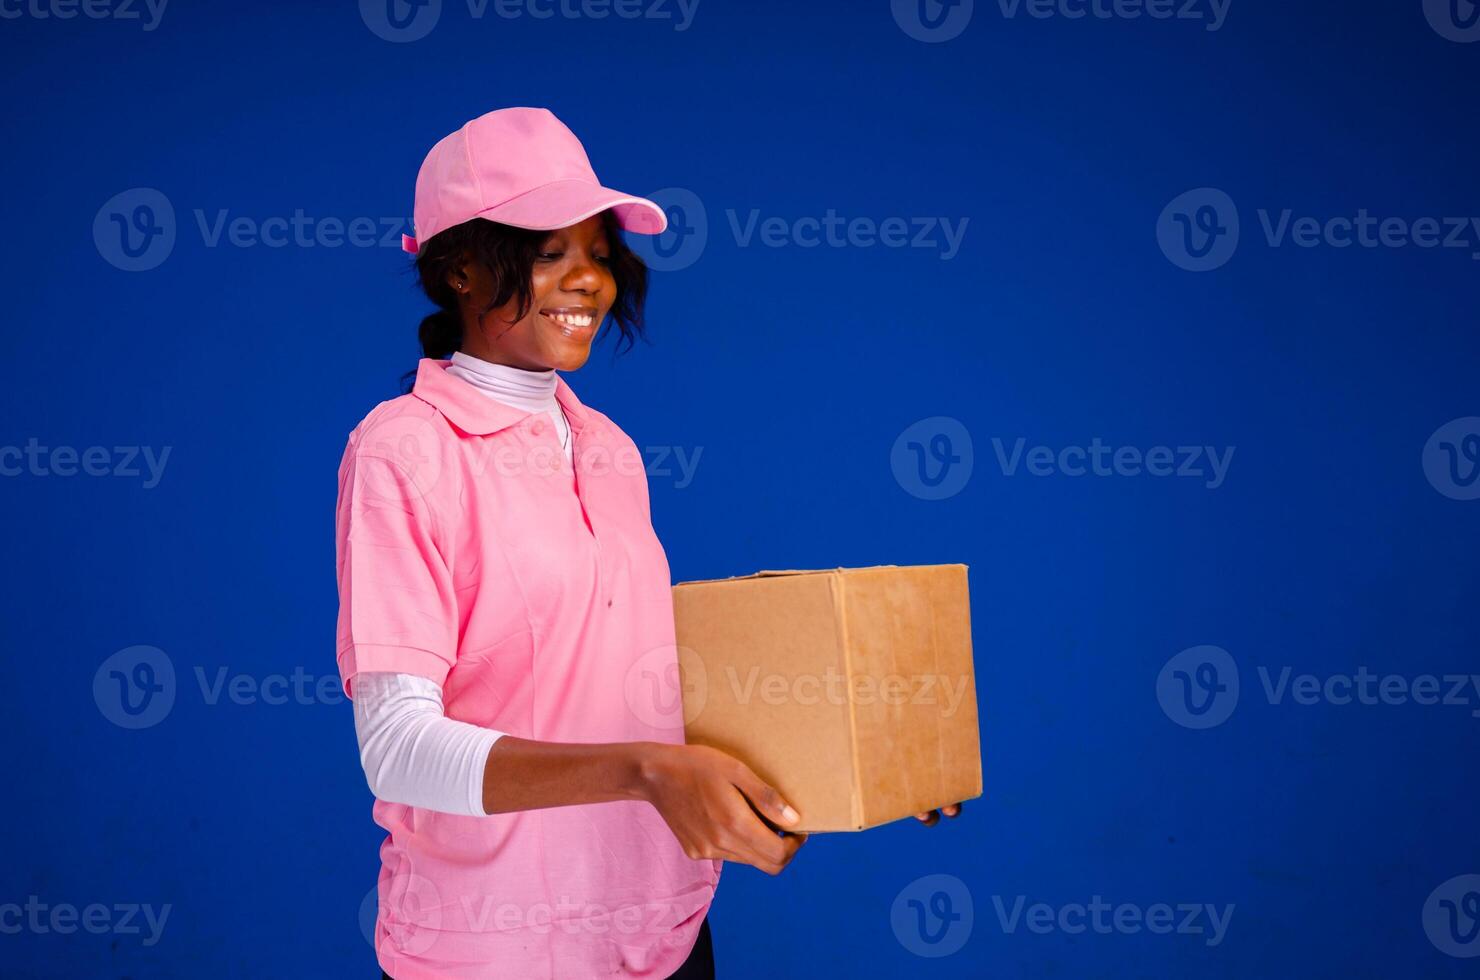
<point x="604" y="259"/>
<point x="549" y="256"/>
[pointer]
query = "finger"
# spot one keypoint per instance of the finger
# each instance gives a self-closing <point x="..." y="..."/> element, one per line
<point x="763" y="846"/>
<point x="774" y="857"/>
<point x="954" y="810"/>
<point x="929" y="819"/>
<point x="746" y="833"/>
<point x="766" y="799"/>
<point x="773" y="850"/>
<point x="767" y="821"/>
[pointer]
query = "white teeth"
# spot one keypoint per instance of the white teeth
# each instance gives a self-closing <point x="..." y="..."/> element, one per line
<point x="571" y="319"/>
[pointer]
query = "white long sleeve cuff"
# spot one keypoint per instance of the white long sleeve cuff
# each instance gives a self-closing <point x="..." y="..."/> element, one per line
<point x="412" y="752"/>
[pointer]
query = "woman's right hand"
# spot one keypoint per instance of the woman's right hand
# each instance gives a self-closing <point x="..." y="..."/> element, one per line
<point x="706" y="797"/>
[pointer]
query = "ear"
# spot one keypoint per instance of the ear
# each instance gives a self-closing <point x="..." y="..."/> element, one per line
<point x="457" y="274"/>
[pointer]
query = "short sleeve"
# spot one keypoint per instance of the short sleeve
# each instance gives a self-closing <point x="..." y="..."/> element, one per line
<point x="397" y="605"/>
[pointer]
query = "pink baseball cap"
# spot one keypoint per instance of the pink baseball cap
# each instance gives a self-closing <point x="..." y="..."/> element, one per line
<point x="521" y="167"/>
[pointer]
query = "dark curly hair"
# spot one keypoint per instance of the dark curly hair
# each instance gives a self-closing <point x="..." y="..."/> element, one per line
<point x="509" y="254"/>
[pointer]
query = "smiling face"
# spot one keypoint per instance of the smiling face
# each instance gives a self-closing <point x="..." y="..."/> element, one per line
<point x="572" y="289"/>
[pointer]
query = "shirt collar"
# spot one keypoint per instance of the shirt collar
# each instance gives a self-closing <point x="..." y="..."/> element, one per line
<point x="474" y="412"/>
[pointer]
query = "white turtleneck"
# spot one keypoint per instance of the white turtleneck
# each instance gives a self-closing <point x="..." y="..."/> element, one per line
<point x="411" y="751"/>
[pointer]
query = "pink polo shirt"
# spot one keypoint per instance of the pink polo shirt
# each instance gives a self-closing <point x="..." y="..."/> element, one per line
<point x="534" y="589"/>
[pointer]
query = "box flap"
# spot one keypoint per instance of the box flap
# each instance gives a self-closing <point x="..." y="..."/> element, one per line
<point x="767" y="573"/>
<point x="774" y="572"/>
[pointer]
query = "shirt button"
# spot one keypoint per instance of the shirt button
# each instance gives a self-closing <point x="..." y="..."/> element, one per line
<point x="608" y="602"/>
<point x="538" y="428"/>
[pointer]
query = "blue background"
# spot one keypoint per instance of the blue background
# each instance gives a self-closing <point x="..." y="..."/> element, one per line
<point x="792" y="371"/>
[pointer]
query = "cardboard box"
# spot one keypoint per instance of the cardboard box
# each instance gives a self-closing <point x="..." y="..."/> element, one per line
<point x="850" y="690"/>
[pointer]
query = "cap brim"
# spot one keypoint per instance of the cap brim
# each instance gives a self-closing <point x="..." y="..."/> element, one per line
<point x="562" y="203"/>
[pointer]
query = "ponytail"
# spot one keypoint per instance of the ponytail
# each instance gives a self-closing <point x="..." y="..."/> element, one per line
<point x="440" y="335"/>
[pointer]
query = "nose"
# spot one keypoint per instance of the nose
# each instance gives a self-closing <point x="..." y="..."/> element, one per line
<point x="583" y="276"/>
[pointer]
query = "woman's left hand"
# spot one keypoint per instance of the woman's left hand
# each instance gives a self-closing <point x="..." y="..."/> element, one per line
<point x="932" y="817"/>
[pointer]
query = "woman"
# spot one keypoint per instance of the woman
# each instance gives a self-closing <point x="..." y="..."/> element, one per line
<point x="503" y="600"/>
